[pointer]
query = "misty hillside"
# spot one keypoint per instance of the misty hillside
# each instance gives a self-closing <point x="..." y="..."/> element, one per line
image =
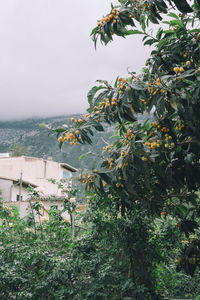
<point x="39" y="143"/>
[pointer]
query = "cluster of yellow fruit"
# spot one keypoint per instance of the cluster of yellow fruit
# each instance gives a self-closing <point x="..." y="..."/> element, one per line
<point x="119" y="184"/>
<point x="141" y="4"/>
<point x="156" y="143"/>
<point x="78" y="121"/>
<point x="107" y="148"/>
<point x="122" y="85"/>
<point x="163" y="213"/>
<point x="178" y="70"/>
<point x="158" y="81"/>
<point x="111" y="163"/>
<point x="105" y="104"/>
<point x="164" y="129"/>
<point x="113" y="101"/>
<point x="159" y="127"/>
<point x="86" y="116"/>
<point x="143" y="101"/>
<point x="72" y="137"/>
<point x="129" y="135"/>
<point x="180" y="125"/>
<point x="113" y="16"/>
<point x="86" y="178"/>
<point x="124" y="154"/>
<point x="168" y="137"/>
<point x="168" y="143"/>
<point x="151" y="87"/>
<point x="151" y="144"/>
<point x="125" y="164"/>
<point x="188" y="63"/>
<point x="122" y="80"/>
<point x="144" y="158"/>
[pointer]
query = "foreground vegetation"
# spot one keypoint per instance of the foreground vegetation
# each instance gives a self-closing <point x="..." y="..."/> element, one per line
<point x="142" y="237"/>
<point x="96" y="264"/>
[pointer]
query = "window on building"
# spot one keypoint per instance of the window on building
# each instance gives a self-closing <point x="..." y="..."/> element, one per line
<point x="18" y="198"/>
<point x="66" y="175"/>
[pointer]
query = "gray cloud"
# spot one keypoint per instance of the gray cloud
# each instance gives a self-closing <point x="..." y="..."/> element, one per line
<point x="48" y="62"/>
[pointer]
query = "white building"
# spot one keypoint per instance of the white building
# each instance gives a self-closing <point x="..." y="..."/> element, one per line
<point x="17" y="173"/>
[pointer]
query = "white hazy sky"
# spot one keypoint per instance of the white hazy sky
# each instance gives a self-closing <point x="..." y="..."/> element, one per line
<point x="48" y="61"/>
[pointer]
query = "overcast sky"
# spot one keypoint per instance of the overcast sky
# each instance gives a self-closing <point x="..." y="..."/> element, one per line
<point x="48" y="61"/>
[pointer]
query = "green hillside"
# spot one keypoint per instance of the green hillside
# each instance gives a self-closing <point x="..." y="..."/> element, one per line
<point x="39" y="143"/>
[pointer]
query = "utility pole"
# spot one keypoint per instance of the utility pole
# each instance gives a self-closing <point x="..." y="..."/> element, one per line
<point x="73" y="225"/>
<point x="20" y="186"/>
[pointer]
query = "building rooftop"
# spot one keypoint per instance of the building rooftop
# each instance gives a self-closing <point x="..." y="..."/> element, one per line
<point x="16" y="181"/>
<point x="64" y="165"/>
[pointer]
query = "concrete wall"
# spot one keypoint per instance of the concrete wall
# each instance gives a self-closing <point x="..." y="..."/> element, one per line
<point x="16" y="191"/>
<point x="5" y="187"/>
<point x="10" y="190"/>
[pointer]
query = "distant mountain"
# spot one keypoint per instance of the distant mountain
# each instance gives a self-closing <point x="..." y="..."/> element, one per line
<point x="39" y="143"/>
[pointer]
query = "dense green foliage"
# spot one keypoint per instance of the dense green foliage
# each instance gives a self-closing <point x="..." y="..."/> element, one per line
<point x="96" y="265"/>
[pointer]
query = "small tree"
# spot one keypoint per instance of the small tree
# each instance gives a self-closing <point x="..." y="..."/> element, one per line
<point x="18" y="150"/>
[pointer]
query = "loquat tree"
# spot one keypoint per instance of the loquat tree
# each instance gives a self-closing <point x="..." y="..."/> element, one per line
<point x="153" y="168"/>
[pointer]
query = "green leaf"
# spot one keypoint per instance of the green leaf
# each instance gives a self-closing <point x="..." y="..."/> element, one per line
<point x="183" y="6"/>
<point x="125" y="19"/>
<point x="168" y="31"/>
<point x="85" y="137"/>
<point x="177" y="22"/>
<point x="135" y="32"/>
<point x="154" y="13"/>
<point x="94" y="30"/>
<point x="98" y="127"/>
<point x="159" y="33"/>
<point x="142" y="22"/>
<point x="166" y="22"/>
<point x="173" y="16"/>
<point x="84" y="155"/>
<point x="161" y="43"/>
<point x="59" y="130"/>
<point x="162" y="7"/>
<point x="92" y="93"/>
<point x="150" y="42"/>
<point x="116" y="81"/>
<point x="107" y="30"/>
<point x="194" y="30"/>
<point x="43" y="125"/>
